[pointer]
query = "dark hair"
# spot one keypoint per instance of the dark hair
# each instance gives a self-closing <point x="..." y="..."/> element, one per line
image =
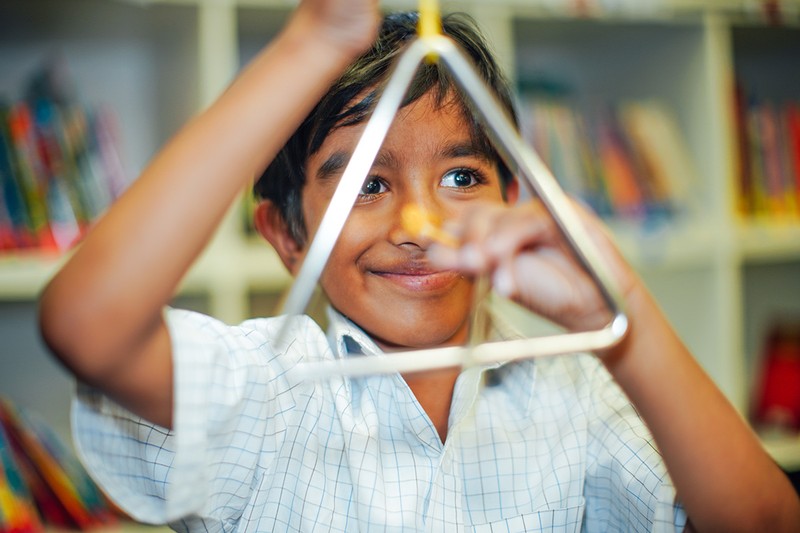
<point x="283" y="180"/>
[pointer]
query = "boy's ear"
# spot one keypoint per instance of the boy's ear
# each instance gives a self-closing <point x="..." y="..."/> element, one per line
<point x="270" y="224"/>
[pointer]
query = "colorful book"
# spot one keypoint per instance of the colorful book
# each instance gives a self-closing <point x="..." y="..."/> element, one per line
<point x="62" y="490"/>
<point x="622" y="176"/>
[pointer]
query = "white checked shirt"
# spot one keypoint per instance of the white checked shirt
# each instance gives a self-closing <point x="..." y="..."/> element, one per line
<point x="550" y="445"/>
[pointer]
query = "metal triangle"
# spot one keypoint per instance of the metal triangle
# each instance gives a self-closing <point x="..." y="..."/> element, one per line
<point x="531" y="171"/>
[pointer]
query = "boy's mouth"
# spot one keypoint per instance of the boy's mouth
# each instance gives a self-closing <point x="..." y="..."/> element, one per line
<point x="418" y="277"/>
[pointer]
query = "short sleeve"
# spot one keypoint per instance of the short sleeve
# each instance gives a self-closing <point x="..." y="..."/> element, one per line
<point x="627" y="484"/>
<point x="226" y="393"/>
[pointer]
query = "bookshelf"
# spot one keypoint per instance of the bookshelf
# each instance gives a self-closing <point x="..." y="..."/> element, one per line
<point x="720" y="276"/>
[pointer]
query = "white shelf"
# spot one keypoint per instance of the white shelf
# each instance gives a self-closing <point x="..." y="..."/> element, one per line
<point x="769" y="240"/>
<point x="23" y="276"/>
<point x="785" y="451"/>
<point x="674" y="245"/>
<point x="158" y="61"/>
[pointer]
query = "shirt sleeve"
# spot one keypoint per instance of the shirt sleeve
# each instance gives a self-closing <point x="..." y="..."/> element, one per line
<point x="627" y="484"/>
<point x="225" y="399"/>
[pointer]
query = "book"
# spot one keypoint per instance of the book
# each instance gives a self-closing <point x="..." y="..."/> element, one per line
<point x="671" y="170"/>
<point x="18" y="228"/>
<point x="775" y="174"/>
<point x="57" y="484"/>
<point x="745" y="193"/>
<point x="776" y="404"/>
<point x="622" y="176"/>
<point x="554" y="132"/>
<point x="793" y="148"/>
<point x="65" y="211"/>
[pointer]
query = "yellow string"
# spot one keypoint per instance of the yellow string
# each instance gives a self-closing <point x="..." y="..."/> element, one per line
<point x="429" y="24"/>
<point x="430" y="20"/>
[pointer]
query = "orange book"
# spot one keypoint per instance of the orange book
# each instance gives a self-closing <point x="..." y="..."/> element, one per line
<point x="622" y="183"/>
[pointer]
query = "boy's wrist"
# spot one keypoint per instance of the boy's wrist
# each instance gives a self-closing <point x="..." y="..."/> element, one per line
<point x="636" y="302"/>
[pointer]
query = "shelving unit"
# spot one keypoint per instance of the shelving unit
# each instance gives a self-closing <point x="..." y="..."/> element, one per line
<point x="718" y="276"/>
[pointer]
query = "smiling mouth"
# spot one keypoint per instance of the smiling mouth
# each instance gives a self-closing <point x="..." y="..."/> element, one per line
<point x="420" y="280"/>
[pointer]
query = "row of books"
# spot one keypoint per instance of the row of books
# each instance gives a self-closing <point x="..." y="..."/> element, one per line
<point x="59" y="165"/>
<point x="41" y="481"/>
<point x="627" y="161"/>
<point x="769" y="158"/>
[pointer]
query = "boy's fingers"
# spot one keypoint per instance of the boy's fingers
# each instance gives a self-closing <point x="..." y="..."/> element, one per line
<point x="519" y="229"/>
<point x="504" y="282"/>
<point x="475" y="223"/>
<point x="501" y="233"/>
<point x="490" y="235"/>
<point x="444" y="256"/>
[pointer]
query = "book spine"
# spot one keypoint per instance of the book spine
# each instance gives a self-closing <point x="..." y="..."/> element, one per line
<point x="743" y="139"/>
<point x="793" y="149"/>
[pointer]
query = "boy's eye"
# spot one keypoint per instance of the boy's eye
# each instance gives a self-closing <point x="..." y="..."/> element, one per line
<point x="460" y="178"/>
<point x="372" y="186"/>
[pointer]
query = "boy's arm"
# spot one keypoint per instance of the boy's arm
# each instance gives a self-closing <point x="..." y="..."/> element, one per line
<point x="102" y="313"/>
<point x="721" y="472"/>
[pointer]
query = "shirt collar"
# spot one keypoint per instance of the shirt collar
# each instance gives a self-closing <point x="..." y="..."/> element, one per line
<point x="345" y="337"/>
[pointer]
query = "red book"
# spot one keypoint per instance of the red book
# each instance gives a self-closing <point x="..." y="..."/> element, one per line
<point x="777" y="398"/>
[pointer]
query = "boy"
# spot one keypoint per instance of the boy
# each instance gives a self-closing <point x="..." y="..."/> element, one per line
<point x="226" y="439"/>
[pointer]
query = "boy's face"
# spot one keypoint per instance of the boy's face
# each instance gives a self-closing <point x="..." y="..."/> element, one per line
<point x="378" y="274"/>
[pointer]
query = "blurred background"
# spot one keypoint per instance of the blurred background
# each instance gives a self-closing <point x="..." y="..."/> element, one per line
<point x="677" y="120"/>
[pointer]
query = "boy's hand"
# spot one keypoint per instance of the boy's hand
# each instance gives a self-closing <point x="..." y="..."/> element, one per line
<point x="346" y="25"/>
<point x="523" y="251"/>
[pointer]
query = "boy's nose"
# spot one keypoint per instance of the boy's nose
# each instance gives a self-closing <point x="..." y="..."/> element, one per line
<point x="427" y="212"/>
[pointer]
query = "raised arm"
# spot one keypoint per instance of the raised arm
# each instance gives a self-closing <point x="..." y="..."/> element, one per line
<point x="101" y="315"/>
<point x="721" y="472"/>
